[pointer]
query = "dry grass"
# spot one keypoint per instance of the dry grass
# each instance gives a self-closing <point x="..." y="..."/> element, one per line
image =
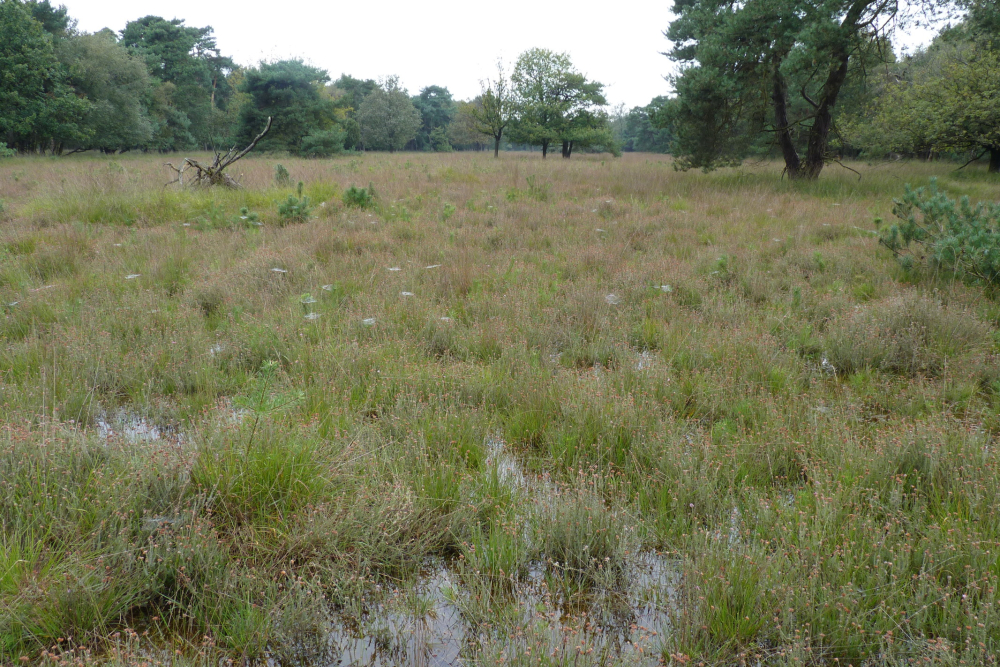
<point x="724" y="366"/>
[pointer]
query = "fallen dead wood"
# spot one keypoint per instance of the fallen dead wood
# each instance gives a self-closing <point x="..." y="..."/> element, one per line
<point x="214" y="174"/>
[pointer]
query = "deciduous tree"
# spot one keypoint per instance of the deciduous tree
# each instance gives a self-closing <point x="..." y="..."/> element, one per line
<point x="462" y="132"/>
<point x="639" y="132"/>
<point x="947" y="100"/>
<point x="388" y="118"/>
<point x="494" y="109"/>
<point x="555" y="103"/>
<point x="38" y="109"/>
<point x="115" y="82"/>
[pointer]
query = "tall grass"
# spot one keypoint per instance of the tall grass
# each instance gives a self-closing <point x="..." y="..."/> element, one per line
<point x="725" y="368"/>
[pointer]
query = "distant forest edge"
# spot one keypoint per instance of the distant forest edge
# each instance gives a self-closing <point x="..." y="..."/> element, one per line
<point x="754" y="82"/>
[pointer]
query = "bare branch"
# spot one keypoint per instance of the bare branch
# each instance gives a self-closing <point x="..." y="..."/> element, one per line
<point x="214" y="174"/>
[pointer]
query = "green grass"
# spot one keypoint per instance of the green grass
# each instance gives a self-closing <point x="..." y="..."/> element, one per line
<point x="576" y="364"/>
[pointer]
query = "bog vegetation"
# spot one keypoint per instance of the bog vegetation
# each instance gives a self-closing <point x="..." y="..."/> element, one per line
<point x="380" y="394"/>
<point x="446" y="407"/>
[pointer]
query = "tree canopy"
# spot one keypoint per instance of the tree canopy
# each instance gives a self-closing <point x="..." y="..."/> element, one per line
<point x="189" y="60"/>
<point x="388" y="118"/>
<point x="638" y="131"/>
<point x="437" y="109"/>
<point x="493" y="111"/>
<point x="556" y="104"/>
<point x="293" y="95"/>
<point x="114" y="81"/>
<point x="943" y="99"/>
<point x="768" y="70"/>
<point x="38" y="107"/>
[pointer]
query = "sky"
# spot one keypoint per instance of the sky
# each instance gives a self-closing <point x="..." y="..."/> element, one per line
<point x="449" y="43"/>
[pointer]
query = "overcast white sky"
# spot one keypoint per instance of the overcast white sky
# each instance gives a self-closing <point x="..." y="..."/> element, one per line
<point x="449" y="43"/>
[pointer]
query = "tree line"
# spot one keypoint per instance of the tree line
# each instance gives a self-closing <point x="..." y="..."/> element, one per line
<point x="161" y="85"/>
<point x="806" y="81"/>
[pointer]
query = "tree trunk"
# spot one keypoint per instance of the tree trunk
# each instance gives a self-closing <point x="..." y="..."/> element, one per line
<point x="779" y="97"/>
<point x="496" y="147"/>
<point x="545" y="149"/>
<point x="565" y="149"/>
<point x="819" y="133"/>
<point x="994" y="160"/>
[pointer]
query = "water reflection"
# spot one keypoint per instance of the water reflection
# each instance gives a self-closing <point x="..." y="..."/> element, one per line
<point x="623" y="626"/>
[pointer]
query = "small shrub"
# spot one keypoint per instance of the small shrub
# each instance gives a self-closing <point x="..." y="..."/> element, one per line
<point x="6" y="152"/>
<point x="359" y="197"/>
<point x="906" y="335"/>
<point x="323" y="144"/>
<point x="537" y="190"/>
<point x="249" y="218"/>
<point x="446" y="212"/>
<point x="281" y="175"/>
<point x="295" y="209"/>
<point x="949" y="236"/>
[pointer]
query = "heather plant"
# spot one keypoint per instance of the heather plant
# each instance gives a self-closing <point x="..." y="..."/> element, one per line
<point x="906" y="334"/>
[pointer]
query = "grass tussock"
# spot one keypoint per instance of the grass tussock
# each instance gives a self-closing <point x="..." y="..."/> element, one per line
<point x="907" y="334"/>
<point x="229" y="433"/>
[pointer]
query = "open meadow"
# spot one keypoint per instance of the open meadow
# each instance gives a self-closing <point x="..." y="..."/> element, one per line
<point x="565" y="412"/>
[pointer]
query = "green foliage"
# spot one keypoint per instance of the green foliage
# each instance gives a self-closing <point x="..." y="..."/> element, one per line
<point x="447" y="212"/>
<point x="639" y="131"/>
<point x="191" y="79"/>
<point x="538" y="190"/>
<point x="439" y="140"/>
<point x="115" y="81"/>
<point x="6" y="152"/>
<point x="359" y="197"/>
<point x="291" y="93"/>
<point x="38" y="108"/>
<point x="388" y="118"/>
<point x="557" y="104"/>
<point x="55" y="20"/>
<point x="493" y="111"/>
<point x="324" y="143"/>
<point x="249" y="218"/>
<point x="281" y="175"/>
<point x="950" y="237"/>
<point x="437" y="109"/>
<point x="944" y="99"/>
<point x="766" y="74"/>
<point x="295" y="209"/>
<point x="348" y="93"/>
<point x="462" y="132"/>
